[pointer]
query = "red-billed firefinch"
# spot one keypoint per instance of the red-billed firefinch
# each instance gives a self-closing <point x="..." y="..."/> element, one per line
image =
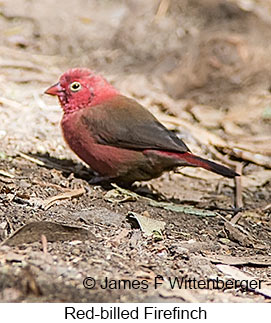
<point x="115" y="135"/>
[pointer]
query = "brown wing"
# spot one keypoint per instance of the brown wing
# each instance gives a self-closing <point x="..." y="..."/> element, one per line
<point x="122" y="122"/>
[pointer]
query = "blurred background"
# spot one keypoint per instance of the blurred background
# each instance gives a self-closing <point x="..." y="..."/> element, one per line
<point x="219" y="46"/>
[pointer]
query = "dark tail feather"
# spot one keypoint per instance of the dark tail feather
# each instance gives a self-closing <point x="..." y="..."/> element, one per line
<point x="196" y="161"/>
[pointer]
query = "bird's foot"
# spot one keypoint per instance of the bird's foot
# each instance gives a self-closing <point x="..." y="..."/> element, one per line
<point x="99" y="180"/>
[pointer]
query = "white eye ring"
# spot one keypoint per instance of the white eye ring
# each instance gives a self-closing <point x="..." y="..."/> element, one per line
<point x="75" y="86"/>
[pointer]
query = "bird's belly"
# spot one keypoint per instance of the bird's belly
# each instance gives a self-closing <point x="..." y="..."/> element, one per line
<point x="106" y="160"/>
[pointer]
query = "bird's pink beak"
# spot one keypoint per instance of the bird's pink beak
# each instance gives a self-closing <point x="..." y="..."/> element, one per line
<point x="55" y="89"/>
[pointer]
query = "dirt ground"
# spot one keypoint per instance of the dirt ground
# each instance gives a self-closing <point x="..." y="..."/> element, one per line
<point x="204" y="69"/>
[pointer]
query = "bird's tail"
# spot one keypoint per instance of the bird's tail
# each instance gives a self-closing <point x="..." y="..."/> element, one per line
<point x="196" y="161"/>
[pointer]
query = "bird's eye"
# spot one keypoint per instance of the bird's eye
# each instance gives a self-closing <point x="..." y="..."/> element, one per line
<point x="75" y="86"/>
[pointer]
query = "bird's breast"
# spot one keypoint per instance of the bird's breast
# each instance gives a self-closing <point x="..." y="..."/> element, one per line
<point x="106" y="160"/>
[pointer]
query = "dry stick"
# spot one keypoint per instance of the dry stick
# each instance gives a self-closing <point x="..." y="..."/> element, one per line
<point x="44" y="243"/>
<point x="6" y="174"/>
<point x="162" y="9"/>
<point x="222" y="157"/>
<point x="32" y="159"/>
<point x="238" y="203"/>
<point x="72" y="193"/>
<point x="9" y="223"/>
<point x="238" y="194"/>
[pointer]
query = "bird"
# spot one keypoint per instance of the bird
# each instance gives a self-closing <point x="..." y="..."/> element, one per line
<point x="119" y="139"/>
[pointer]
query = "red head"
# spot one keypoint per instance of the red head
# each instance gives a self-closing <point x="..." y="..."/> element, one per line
<point x="79" y="88"/>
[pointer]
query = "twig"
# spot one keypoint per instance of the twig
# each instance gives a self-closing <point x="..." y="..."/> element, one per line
<point x="9" y="223"/>
<point x="238" y="185"/>
<point x="44" y="243"/>
<point x="162" y="9"/>
<point x="223" y="158"/>
<point x="33" y="160"/>
<point x="4" y="173"/>
<point x="52" y="200"/>
<point x="238" y="203"/>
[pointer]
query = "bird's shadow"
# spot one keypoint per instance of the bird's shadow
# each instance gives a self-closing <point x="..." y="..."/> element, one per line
<point x="68" y="167"/>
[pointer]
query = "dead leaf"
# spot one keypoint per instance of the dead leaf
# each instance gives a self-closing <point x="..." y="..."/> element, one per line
<point x="32" y="232"/>
<point x="148" y="225"/>
<point x="165" y="205"/>
<point x="120" y="195"/>
<point x="182" y="208"/>
<point x="240" y="275"/>
<point x="250" y="261"/>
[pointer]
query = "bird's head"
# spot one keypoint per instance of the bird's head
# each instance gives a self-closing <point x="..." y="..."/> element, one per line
<point x="79" y="88"/>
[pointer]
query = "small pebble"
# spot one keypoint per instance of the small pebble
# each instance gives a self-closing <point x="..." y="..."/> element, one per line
<point x="76" y="252"/>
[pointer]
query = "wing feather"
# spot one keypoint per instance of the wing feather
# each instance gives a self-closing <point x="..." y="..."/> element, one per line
<point x="124" y="123"/>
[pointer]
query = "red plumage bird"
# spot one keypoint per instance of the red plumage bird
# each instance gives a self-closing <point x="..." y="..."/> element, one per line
<point x="115" y="135"/>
